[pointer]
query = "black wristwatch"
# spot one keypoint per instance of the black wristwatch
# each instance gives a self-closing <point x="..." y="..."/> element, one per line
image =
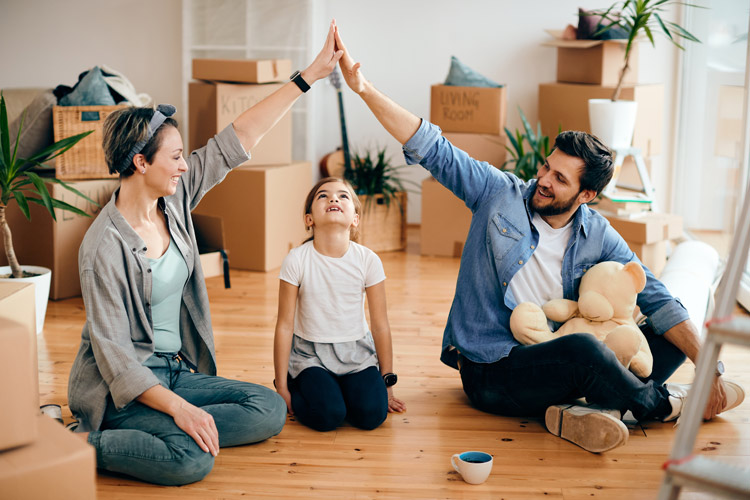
<point x="301" y="83"/>
<point x="390" y="379"/>
<point x="719" y="368"/>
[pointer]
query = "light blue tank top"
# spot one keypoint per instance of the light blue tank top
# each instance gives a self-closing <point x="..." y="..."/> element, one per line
<point x="169" y="275"/>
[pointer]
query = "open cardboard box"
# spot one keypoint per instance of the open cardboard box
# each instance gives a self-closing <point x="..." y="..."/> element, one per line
<point x="595" y="62"/>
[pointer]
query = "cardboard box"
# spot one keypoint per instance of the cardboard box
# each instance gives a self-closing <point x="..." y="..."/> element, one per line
<point x="18" y="365"/>
<point x="482" y="147"/>
<point x="647" y="227"/>
<point x="261" y="208"/>
<point x="596" y="62"/>
<point x="479" y="110"/>
<point x="566" y="105"/>
<point x="213" y="106"/>
<point x="652" y="255"/>
<point x="445" y="221"/>
<point x="57" y="465"/>
<point x="209" y="234"/>
<point x="44" y="242"/>
<point x="242" y="70"/>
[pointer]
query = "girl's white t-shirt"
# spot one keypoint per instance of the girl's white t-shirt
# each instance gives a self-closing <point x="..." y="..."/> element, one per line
<point x="331" y="300"/>
<point x="540" y="279"/>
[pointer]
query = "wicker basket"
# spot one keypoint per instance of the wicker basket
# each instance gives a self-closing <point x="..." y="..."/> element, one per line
<point x="85" y="160"/>
<point x="382" y="227"/>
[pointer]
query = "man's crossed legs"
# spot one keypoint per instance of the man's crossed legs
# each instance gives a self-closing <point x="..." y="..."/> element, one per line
<point x="547" y="378"/>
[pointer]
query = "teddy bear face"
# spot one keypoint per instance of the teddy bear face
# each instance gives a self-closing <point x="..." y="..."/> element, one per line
<point x="609" y="290"/>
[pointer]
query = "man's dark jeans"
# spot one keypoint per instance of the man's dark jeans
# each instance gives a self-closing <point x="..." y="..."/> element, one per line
<point x="532" y="378"/>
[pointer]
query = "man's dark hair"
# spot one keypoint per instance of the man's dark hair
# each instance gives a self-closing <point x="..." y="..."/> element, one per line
<point x="597" y="158"/>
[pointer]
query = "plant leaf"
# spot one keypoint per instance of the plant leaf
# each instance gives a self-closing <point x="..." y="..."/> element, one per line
<point x="22" y="203"/>
<point x="41" y="189"/>
<point x="73" y="190"/>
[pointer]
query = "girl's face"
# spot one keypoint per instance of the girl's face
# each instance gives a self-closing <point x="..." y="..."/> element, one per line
<point x="332" y="206"/>
<point x="163" y="174"/>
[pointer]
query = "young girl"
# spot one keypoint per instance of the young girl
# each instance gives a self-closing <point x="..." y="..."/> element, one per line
<point x="328" y="365"/>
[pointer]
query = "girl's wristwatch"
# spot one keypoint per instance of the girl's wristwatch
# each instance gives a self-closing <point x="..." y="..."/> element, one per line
<point x="390" y="379"/>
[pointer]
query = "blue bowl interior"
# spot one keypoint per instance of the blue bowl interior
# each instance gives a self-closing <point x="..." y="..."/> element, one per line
<point x="475" y="457"/>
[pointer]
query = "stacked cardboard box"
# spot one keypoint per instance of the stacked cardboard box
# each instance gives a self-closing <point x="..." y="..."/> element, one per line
<point x="472" y="119"/>
<point x="261" y="209"/>
<point x="590" y="69"/>
<point x="39" y="458"/>
<point x="225" y="89"/>
<point x="648" y="235"/>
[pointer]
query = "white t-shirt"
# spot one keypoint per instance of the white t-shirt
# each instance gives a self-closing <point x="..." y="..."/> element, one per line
<point x="331" y="300"/>
<point x="540" y="279"/>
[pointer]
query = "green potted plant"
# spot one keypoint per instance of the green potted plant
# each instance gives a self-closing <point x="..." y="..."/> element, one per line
<point x="20" y="184"/>
<point x="523" y="162"/>
<point x="613" y="120"/>
<point x="378" y="186"/>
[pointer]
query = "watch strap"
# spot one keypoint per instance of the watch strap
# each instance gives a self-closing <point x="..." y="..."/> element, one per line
<point x="299" y="81"/>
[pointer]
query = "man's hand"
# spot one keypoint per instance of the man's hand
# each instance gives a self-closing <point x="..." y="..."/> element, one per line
<point x="199" y="425"/>
<point x="717" y="400"/>
<point x="349" y="69"/>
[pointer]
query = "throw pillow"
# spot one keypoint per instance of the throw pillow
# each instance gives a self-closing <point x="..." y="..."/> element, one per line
<point x="460" y="75"/>
<point x="589" y="23"/>
<point x="92" y="90"/>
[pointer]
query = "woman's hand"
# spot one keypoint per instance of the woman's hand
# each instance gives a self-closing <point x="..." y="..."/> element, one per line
<point x="349" y="69"/>
<point x="326" y="60"/>
<point x="199" y="425"/>
<point x="395" y="404"/>
<point x="284" y="393"/>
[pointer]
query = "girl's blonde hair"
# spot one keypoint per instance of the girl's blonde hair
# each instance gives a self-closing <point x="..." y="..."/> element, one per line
<point x="354" y="231"/>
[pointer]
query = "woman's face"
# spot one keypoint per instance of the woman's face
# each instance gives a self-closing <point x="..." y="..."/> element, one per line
<point x="163" y="174"/>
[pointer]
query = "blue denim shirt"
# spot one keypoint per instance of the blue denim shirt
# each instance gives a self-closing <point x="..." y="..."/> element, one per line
<point x="501" y="239"/>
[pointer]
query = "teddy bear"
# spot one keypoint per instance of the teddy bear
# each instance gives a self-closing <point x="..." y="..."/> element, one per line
<point x="606" y="301"/>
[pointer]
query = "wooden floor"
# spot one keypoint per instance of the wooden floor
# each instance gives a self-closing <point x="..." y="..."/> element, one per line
<point x="409" y="455"/>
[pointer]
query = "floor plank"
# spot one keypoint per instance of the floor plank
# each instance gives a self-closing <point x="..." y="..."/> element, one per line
<point x="409" y="455"/>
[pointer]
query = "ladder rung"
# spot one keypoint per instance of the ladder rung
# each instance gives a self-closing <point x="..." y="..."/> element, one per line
<point x="735" y="330"/>
<point x="710" y="475"/>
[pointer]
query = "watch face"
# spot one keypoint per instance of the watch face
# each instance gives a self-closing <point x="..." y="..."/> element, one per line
<point x="390" y="379"/>
<point x="719" y="368"/>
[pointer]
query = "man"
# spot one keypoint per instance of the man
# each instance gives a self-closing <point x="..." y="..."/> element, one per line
<point x="532" y="241"/>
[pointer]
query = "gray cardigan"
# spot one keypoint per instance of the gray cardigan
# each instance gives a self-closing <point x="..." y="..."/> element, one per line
<point x="116" y="285"/>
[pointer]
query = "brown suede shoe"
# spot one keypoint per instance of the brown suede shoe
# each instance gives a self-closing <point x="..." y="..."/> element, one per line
<point x="592" y="428"/>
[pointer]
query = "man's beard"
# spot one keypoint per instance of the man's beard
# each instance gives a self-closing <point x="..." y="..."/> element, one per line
<point x="554" y="208"/>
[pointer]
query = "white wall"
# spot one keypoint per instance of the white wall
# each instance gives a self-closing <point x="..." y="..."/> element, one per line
<point x="45" y="43"/>
<point x="404" y="46"/>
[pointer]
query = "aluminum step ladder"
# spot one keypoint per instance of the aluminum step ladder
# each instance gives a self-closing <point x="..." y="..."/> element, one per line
<point x="684" y="469"/>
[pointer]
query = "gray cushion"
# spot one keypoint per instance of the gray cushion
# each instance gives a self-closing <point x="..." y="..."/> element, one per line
<point x="461" y="75"/>
<point x="92" y="90"/>
<point x="37" y="125"/>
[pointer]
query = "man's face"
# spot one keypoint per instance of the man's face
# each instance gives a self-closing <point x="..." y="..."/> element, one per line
<point x="558" y="185"/>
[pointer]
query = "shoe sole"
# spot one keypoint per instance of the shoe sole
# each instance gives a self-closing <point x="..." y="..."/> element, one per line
<point x="592" y="430"/>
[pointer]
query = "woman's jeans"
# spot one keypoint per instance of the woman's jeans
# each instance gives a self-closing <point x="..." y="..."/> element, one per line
<point x="532" y="378"/>
<point x="146" y="443"/>
<point x="323" y="401"/>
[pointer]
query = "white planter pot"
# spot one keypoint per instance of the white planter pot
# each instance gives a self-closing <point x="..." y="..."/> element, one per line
<point x="613" y="122"/>
<point x="41" y="289"/>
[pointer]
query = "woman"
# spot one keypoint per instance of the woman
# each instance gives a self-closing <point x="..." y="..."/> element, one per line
<point x="143" y="383"/>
